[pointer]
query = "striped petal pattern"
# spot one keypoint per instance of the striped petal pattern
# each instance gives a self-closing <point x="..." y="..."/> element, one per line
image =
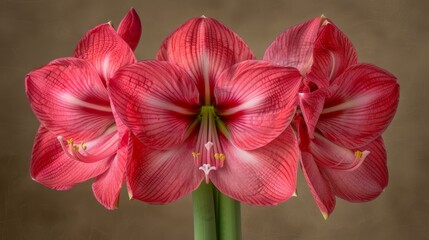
<point x="69" y="99"/>
<point x="155" y="100"/>
<point x="333" y="54"/>
<point x="264" y="176"/>
<point x="256" y="101"/>
<point x="344" y="107"/>
<point x="204" y="48"/>
<point x="294" y="47"/>
<point x="80" y="136"/>
<point x="162" y="176"/>
<point x="105" y="50"/>
<point x="362" y="107"/>
<point x="51" y="167"/>
<point x="130" y="29"/>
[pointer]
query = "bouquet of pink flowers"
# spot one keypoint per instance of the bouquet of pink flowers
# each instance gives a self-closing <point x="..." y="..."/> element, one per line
<point x="205" y="117"/>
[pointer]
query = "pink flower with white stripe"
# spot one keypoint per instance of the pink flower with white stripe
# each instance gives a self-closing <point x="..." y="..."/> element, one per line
<point x="206" y="110"/>
<point x="344" y="108"/>
<point x="80" y="136"/>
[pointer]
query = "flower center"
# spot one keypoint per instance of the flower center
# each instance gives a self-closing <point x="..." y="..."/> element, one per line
<point x="94" y="150"/>
<point x="208" y="155"/>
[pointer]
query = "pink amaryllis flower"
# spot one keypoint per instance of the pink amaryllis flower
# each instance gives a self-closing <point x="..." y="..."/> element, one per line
<point x="80" y="136"/>
<point x="206" y="110"/>
<point x="344" y="108"/>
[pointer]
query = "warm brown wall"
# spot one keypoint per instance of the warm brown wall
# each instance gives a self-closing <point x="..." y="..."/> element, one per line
<point x="392" y="34"/>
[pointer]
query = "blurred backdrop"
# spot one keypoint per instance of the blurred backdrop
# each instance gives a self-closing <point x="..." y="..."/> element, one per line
<point x="392" y="34"/>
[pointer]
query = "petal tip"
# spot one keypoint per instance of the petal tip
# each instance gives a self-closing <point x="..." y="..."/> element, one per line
<point x="110" y="208"/>
<point x="117" y="203"/>
<point x="34" y="178"/>
<point x="130" y="195"/>
<point x="325" y="215"/>
<point x="324" y="20"/>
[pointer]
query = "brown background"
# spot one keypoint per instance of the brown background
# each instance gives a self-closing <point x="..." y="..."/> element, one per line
<point x="392" y="34"/>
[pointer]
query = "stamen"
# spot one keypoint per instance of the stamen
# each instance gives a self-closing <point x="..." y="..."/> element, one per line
<point x="358" y="154"/>
<point x="220" y="158"/>
<point x="100" y="148"/>
<point x="212" y="157"/>
<point x="69" y="143"/>
<point x="76" y="148"/>
<point x="83" y="146"/>
<point x="337" y="157"/>
<point x="196" y="156"/>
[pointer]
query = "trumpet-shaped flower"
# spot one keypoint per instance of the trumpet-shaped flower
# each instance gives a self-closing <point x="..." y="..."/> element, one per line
<point x="206" y="111"/>
<point x="344" y="108"/>
<point x="80" y="136"/>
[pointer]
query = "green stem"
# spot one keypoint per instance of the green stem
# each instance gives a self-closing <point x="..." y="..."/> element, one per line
<point x="204" y="213"/>
<point x="229" y="222"/>
<point x="216" y="204"/>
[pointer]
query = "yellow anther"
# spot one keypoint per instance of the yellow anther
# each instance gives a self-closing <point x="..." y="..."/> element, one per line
<point x="196" y="154"/>
<point x="358" y="154"/>
<point x="217" y="155"/>
<point x="70" y="141"/>
<point x="222" y="157"/>
<point x="83" y="146"/>
<point x="76" y="148"/>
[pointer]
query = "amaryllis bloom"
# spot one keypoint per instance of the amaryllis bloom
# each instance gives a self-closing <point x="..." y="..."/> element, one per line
<point x="80" y="136"/>
<point x="207" y="111"/>
<point x="344" y="108"/>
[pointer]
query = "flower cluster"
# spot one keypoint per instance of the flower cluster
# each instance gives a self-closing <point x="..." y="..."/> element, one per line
<point x="206" y="111"/>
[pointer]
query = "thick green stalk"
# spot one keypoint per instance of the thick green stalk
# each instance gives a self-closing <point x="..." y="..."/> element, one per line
<point x="229" y="219"/>
<point x="204" y="213"/>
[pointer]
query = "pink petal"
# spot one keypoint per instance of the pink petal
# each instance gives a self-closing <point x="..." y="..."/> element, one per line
<point x="265" y="176"/>
<point x="130" y="29"/>
<point x="311" y="105"/>
<point x="69" y="99"/>
<point x="366" y="182"/>
<point x="319" y="186"/>
<point x="92" y="150"/>
<point x="107" y="186"/>
<point x="304" y="139"/>
<point x="204" y="47"/>
<point x="51" y="167"/>
<point x="294" y="47"/>
<point x="157" y="176"/>
<point x="105" y="49"/>
<point x="329" y="155"/>
<point x="256" y="101"/>
<point x="333" y="53"/>
<point x="156" y="100"/>
<point x="122" y="129"/>
<point x="362" y="107"/>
